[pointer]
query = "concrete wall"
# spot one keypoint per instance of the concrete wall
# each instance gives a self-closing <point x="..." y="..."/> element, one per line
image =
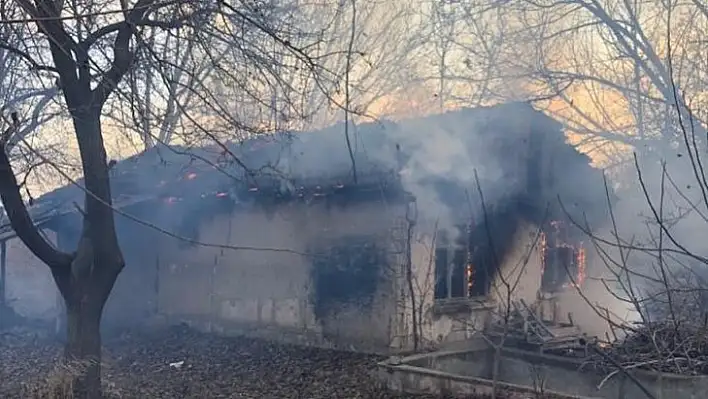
<point x="30" y="290"/>
<point x="532" y="372"/>
<point x="443" y="322"/>
<point x="266" y="286"/>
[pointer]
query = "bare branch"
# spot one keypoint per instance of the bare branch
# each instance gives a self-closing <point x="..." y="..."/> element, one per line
<point x="20" y="219"/>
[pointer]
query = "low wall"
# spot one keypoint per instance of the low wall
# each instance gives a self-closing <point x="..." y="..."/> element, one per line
<point x="471" y="370"/>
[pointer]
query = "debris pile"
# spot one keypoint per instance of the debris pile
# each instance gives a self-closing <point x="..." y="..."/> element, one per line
<point x="679" y="348"/>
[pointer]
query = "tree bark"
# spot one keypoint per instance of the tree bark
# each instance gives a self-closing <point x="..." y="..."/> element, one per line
<point x="83" y="347"/>
<point x="97" y="263"/>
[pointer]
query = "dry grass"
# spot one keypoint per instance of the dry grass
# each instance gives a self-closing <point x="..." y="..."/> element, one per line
<point x="59" y="382"/>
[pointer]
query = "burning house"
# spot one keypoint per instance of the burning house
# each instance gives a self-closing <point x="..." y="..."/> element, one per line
<point x="415" y="234"/>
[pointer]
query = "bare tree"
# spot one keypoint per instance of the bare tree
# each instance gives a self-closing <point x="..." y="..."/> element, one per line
<point x="614" y="56"/>
<point x="647" y="95"/>
<point x="374" y="45"/>
<point x="89" y="50"/>
<point x="159" y="93"/>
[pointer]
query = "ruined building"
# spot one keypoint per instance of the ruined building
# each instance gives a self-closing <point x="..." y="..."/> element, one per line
<point x="415" y="237"/>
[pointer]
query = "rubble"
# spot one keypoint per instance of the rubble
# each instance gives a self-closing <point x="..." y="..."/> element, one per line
<point x="679" y="348"/>
<point x="144" y="365"/>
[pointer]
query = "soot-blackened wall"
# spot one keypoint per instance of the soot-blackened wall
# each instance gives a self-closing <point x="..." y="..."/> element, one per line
<point x="312" y="270"/>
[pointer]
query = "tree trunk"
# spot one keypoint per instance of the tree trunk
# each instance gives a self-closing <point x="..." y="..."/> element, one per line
<point x="83" y="347"/>
<point x="98" y="261"/>
<point x="85" y="287"/>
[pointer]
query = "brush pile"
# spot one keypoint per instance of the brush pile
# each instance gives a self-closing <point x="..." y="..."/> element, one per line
<point x="679" y="348"/>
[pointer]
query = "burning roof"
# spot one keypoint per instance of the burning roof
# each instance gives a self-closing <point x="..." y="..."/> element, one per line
<point x="440" y="153"/>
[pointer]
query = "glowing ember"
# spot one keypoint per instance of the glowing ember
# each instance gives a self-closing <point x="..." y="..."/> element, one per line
<point x="191" y="176"/>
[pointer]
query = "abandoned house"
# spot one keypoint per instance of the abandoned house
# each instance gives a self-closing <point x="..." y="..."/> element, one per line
<point x="416" y="234"/>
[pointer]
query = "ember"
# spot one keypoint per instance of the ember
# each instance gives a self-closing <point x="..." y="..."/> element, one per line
<point x="191" y="176"/>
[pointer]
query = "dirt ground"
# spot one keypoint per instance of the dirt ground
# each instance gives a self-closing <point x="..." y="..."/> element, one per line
<point x="138" y="365"/>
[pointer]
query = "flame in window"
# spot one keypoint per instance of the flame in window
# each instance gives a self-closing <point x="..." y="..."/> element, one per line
<point x="560" y="239"/>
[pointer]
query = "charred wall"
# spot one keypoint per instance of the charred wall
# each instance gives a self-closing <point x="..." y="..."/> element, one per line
<point x="312" y="269"/>
<point x="347" y="275"/>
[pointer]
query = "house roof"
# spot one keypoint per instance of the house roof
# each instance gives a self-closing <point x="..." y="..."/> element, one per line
<point x="286" y="163"/>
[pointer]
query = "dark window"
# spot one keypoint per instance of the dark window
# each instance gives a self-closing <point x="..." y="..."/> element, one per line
<point x="562" y="258"/>
<point x="458" y="279"/>
<point x="456" y="275"/>
<point x="441" y="273"/>
<point x="478" y="280"/>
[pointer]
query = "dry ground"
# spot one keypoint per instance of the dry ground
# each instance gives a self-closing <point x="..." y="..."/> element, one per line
<point x="138" y="366"/>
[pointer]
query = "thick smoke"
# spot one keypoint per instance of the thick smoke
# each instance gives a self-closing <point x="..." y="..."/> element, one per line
<point x="661" y="222"/>
<point x="436" y="158"/>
